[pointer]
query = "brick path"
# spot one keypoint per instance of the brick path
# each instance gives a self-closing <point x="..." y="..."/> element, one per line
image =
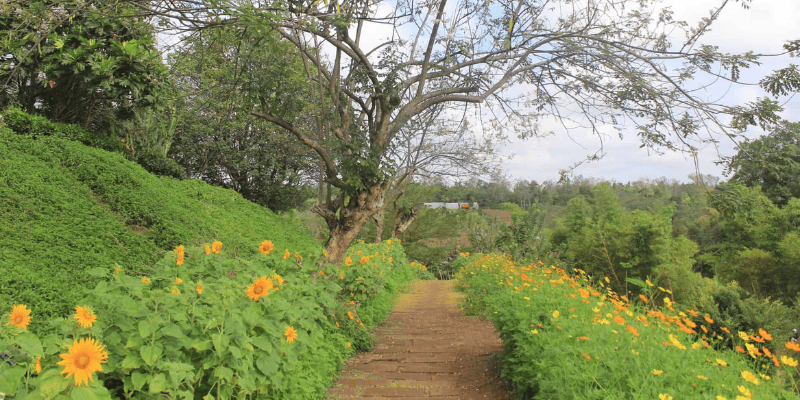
<point x="427" y="349"/>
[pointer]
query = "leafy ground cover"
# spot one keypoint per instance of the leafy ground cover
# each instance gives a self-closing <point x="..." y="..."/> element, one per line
<point x="67" y="208"/>
<point x="274" y="324"/>
<point x="568" y="337"/>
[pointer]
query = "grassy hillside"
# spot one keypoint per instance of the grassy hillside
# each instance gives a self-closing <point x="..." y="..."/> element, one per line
<point x="66" y="208"/>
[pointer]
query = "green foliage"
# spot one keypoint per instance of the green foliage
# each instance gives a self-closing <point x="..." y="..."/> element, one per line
<point x="78" y="62"/>
<point x="216" y="137"/>
<point x="771" y="162"/>
<point x="68" y="208"/>
<point x="566" y="338"/>
<point x="192" y="326"/>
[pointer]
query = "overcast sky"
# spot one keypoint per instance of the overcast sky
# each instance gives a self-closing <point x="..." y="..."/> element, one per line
<point x="763" y="28"/>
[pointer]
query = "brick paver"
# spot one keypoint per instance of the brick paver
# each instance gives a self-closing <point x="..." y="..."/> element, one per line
<point x="427" y="349"/>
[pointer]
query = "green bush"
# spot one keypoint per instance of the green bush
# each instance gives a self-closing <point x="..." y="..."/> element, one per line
<point x="68" y="208"/>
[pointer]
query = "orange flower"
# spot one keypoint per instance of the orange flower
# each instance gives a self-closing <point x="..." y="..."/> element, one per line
<point x="740" y="349"/>
<point x="266" y="247"/>
<point x="259" y="288"/>
<point x="767" y="352"/>
<point x="38" y="367"/>
<point x="792" y="346"/>
<point x="348" y="261"/>
<point x="586" y="356"/>
<point x="708" y="319"/>
<point x="216" y="246"/>
<point x="643" y="297"/>
<point x="364" y="260"/>
<point x="633" y="330"/>
<point x="84" y="316"/>
<point x="764" y="334"/>
<point x="208" y="250"/>
<point x="278" y="279"/>
<point x="619" y="320"/>
<point x="349" y="314"/>
<point x="178" y="281"/>
<point x="146" y="281"/>
<point x="20" y="316"/>
<point x="199" y="288"/>
<point x="83" y="359"/>
<point x="290" y="334"/>
<point x="584" y="293"/>
<point x="286" y="254"/>
<point x="179" y="251"/>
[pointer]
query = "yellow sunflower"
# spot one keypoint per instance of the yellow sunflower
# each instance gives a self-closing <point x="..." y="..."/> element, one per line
<point x="216" y="246"/>
<point x="266" y="247"/>
<point x="83" y="359"/>
<point x="290" y="334"/>
<point x="260" y="288"/>
<point x="20" y="316"/>
<point x="84" y="316"/>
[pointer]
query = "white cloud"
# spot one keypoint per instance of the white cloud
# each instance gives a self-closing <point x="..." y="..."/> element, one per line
<point x="763" y="29"/>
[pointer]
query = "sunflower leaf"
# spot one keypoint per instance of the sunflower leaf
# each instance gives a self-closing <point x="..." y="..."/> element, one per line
<point x="29" y="343"/>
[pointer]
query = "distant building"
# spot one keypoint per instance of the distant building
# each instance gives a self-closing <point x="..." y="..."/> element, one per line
<point x="452" y="206"/>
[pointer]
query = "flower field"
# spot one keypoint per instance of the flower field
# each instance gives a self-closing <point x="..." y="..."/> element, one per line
<point x="202" y="325"/>
<point x="567" y="336"/>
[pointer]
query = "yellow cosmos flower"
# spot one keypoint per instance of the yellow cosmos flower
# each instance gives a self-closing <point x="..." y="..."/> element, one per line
<point x="117" y="270"/>
<point x="178" y="281"/>
<point x="744" y="336"/>
<point x="535" y="331"/>
<point x="290" y="334"/>
<point x="721" y="398"/>
<point x="20" y="316"/>
<point x="84" y="316"/>
<point x="208" y="250"/>
<point x="266" y="247"/>
<point x="175" y="291"/>
<point x="146" y="281"/>
<point x="789" y="361"/>
<point x="663" y="396"/>
<point x="701" y="377"/>
<point x="83" y="359"/>
<point x="556" y="314"/>
<point x="657" y="372"/>
<point x="348" y="261"/>
<point x="389" y="260"/>
<point x="199" y="288"/>
<point x="216" y="246"/>
<point x="286" y="254"/>
<point x="649" y="283"/>
<point x="745" y="391"/>
<point x="364" y="260"/>
<point x="278" y="279"/>
<point x="749" y="377"/>
<point x="722" y="363"/>
<point x="260" y="287"/>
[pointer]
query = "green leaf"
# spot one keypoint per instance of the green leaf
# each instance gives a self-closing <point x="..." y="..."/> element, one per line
<point x="29" y="343"/>
<point x="220" y="341"/>
<point x="138" y="379"/>
<point x="172" y="330"/>
<point x="224" y="373"/>
<point x="235" y="352"/>
<point x="201" y="345"/>
<point x="90" y="393"/>
<point x="158" y="384"/>
<point x="53" y="386"/>
<point x="131" y="361"/>
<point x="10" y="378"/>
<point x="268" y="365"/>
<point x="146" y="328"/>
<point x="263" y="343"/>
<point x="150" y="354"/>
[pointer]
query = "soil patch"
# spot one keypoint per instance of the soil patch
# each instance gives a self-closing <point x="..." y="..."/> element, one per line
<point x="427" y="349"/>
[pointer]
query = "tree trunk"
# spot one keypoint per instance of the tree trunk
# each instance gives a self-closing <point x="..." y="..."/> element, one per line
<point x="379" y="218"/>
<point x="348" y="222"/>
<point x="404" y="220"/>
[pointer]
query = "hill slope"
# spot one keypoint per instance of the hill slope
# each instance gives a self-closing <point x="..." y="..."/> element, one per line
<point x="66" y="208"/>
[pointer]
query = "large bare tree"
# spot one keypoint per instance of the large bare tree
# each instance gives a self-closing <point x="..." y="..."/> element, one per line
<point x="595" y="63"/>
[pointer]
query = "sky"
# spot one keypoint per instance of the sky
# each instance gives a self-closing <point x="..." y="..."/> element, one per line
<point x="762" y="28"/>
